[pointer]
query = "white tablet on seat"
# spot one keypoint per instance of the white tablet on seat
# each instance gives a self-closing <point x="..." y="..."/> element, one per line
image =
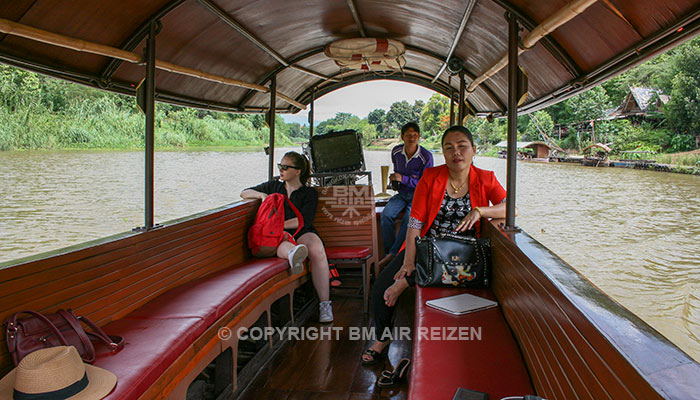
<point x="461" y="304"/>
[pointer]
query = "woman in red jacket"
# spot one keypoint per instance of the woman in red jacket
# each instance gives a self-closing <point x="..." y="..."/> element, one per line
<point x="450" y="198"/>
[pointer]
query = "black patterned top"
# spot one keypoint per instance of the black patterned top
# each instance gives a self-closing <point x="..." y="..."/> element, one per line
<point x="452" y="211"/>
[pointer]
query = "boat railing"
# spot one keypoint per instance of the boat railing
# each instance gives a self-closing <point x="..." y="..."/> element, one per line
<point x="341" y="178"/>
<point x="577" y="341"/>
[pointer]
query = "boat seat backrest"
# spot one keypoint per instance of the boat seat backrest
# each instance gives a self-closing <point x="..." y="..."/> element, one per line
<point x="108" y="279"/>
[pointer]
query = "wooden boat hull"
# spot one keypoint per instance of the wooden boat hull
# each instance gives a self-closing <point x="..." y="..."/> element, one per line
<point x="595" y="163"/>
<point x="622" y="164"/>
<point x="576" y="342"/>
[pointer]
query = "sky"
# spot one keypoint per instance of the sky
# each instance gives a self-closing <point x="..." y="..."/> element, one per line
<point x="360" y="99"/>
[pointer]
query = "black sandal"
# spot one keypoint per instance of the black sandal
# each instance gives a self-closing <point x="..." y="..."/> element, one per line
<point x="375" y="356"/>
<point x="391" y="378"/>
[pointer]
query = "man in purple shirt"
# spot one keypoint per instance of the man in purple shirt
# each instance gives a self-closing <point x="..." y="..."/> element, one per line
<point x="410" y="160"/>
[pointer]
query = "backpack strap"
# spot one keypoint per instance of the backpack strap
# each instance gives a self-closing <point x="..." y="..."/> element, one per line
<point x="299" y="217"/>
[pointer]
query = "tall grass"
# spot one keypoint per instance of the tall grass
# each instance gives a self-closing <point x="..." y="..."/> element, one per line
<point x="688" y="159"/>
<point x="106" y="125"/>
<point x="41" y="113"/>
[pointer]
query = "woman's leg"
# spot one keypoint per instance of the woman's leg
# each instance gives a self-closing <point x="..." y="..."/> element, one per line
<point x="383" y="314"/>
<point x="319" y="264"/>
<point x="284" y="248"/>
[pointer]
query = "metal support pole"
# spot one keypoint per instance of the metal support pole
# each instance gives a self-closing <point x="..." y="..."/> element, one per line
<point x="311" y="113"/>
<point x="462" y="99"/>
<point x="271" y="124"/>
<point x="452" y="107"/>
<point x="150" y="121"/>
<point x="512" y="120"/>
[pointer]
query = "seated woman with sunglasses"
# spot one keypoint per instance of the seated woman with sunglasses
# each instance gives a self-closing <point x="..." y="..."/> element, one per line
<point x="294" y="177"/>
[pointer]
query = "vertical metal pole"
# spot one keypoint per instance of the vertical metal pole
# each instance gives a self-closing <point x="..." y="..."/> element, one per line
<point x="452" y="107"/>
<point x="150" y="121"/>
<point x="271" y="124"/>
<point x="462" y="99"/>
<point x="311" y="113"/>
<point x="512" y="119"/>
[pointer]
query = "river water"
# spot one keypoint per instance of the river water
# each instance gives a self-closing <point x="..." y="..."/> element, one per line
<point x="635" y="234"/>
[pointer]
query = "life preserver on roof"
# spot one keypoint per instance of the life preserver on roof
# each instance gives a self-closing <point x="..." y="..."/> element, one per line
<point x="371" y="54"/>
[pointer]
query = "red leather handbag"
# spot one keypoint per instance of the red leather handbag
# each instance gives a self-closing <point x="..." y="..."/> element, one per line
<point x="63" y="328"/>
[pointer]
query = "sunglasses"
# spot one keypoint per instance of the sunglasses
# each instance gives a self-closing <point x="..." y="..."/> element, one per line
<point x="286" y="167"/>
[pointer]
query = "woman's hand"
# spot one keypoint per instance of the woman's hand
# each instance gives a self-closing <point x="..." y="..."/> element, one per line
<point x="406" y="269"/>
<point x="468" y="222"/>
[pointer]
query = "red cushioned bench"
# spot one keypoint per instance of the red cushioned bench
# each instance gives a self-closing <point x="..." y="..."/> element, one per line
<point x="157" y="333"/>
<point x="492" y="364"/>
<point x="167" y="292"/>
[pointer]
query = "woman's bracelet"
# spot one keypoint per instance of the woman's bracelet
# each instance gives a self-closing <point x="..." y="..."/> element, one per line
<point x="481" y="214"/>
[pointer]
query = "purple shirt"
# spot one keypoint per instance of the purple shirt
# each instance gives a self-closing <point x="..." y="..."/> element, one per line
<point x="410" y="169"/>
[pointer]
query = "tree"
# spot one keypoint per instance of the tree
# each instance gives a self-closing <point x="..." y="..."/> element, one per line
<point x="342" y="118"/>
<point x="19" y="89"/>
<point x="377" y="118"/>
<point x="559" y="113"/>
<point x="399" y="114"/>
<point x="341" y="121"/>
<point x="683" y="109"/>
<point x="258" y="120"/>
<point x="418" y="106"/>
<point x="588" y="105"/>
<point x="544" y="121"/>
<point x="617" y="88"/>
<point x="487" y="132"/>
<point x="433" y="119"/>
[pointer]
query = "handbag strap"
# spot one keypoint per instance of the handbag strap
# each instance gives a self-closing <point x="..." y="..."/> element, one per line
<point x="45" y="320"/>
<point x="115" y="343"/>
<point x="72" y="320"/>
<point x="11" y="329"/>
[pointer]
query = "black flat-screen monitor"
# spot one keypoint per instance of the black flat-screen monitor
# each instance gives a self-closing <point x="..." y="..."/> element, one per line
<point x="337" y="152"/>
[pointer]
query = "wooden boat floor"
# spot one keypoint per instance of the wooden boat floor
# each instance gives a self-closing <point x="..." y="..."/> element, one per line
<point x="331" y="369"/>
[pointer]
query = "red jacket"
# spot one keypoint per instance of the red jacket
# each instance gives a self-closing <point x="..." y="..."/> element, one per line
<point x="483" y="188"/>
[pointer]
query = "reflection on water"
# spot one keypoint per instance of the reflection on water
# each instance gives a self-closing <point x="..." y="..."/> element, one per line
<point x="635" y="234"/>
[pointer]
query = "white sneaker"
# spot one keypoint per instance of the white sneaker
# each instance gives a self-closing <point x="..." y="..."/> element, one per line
<point x="325" y="311"/>
<point x="296" y="258"/>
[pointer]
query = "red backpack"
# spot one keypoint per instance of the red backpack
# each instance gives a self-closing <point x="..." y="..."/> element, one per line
<point x="268" y="230"/>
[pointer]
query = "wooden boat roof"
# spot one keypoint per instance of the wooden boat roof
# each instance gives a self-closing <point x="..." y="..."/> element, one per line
<point x="522" y="145"/>
<point x="253" y="41"/>
<point x="598" y="145"/>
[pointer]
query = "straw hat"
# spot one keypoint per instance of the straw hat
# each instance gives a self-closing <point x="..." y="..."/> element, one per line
<point x="58" y="371"/>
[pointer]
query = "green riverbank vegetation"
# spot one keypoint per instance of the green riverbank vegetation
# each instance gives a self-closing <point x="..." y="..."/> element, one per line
<point x="39" y="112"/>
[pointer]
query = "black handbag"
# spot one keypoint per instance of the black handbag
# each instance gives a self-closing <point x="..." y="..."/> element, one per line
<point x="452" y="260"/>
